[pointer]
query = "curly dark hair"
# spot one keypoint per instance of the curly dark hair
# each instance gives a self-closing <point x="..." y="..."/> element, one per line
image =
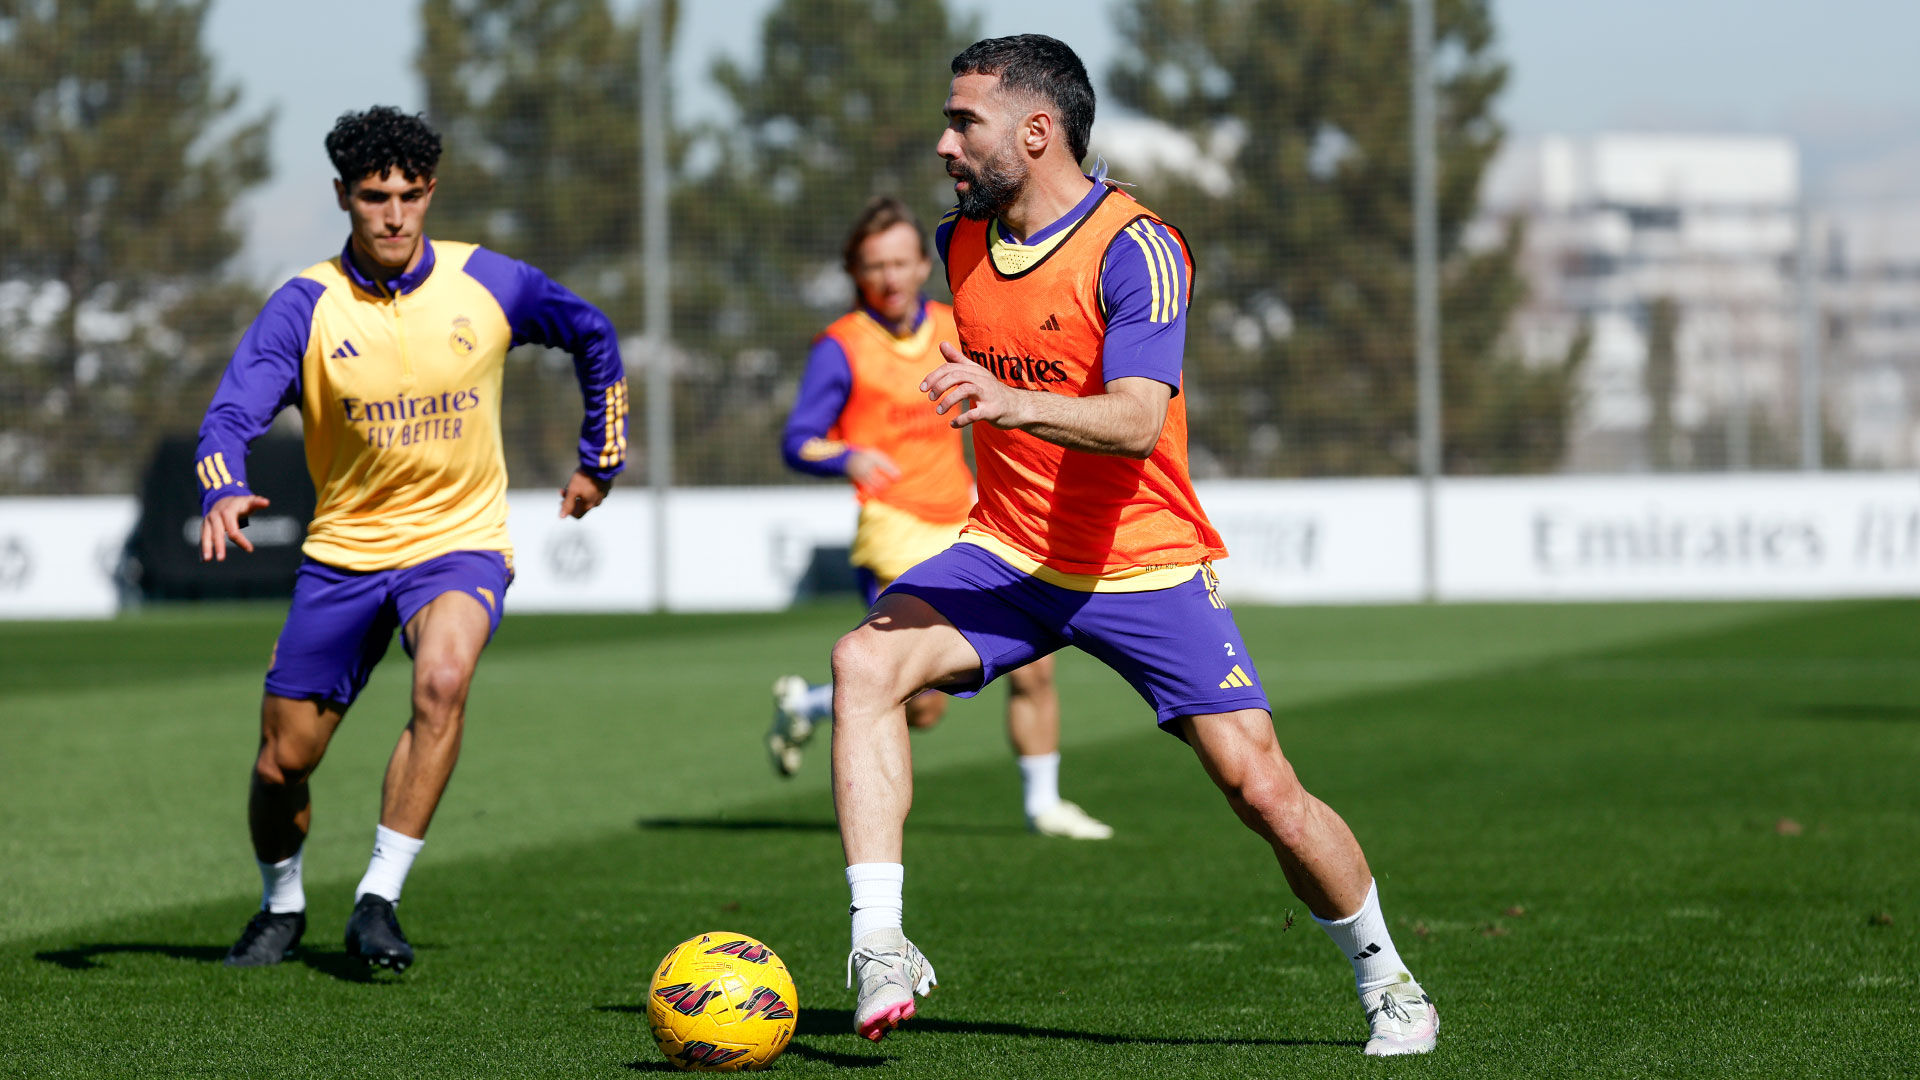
<point x="369" y="143"/>
<point x="1043" y="66"/>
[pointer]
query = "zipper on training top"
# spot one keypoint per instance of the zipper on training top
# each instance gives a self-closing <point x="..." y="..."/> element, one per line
<point x="400" y="332"/>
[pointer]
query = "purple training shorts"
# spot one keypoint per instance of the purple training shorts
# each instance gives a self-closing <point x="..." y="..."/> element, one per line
<point x="342" y="621"/>
<point x="1179" y="647"/>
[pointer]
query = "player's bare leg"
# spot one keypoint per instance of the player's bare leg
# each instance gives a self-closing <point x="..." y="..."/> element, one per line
<point x="1033" y="727"/>
<point x="1324" y="867"/>
<point x="1322" y="861"/>
<point x="902" y="647"/>
<point x="447" y="636"/>
<point x="1033" y="709"/>
<point x="293" y="738"/>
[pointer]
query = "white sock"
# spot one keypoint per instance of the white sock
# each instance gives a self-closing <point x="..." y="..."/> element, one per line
<point x="818" y="704"/>
<point x="280" y="887"/>
<point x="392" y="857"/>
<point x="877" y="902"/>
<point x="1040" y="776"/>
<point x="1363" y="939"/>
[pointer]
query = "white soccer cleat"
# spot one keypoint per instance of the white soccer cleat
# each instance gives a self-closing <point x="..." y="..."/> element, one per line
<point x="792" y="727"/>
<point x="889" y="971"/>
<point x="1402" y="1018"/>
<point x="1067" y="819"/>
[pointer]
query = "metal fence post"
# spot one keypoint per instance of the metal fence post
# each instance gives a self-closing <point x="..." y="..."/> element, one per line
<point x="653" y="212"/>
<point x="1426" y="290"/>
<point x="1809" y="319"/>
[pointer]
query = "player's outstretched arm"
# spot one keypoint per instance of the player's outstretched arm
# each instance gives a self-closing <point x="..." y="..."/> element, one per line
<point x="263" y="378"/>
<point x="583" y="492"/>
<point x="222" y="523"/>
<point x="1123" y="422"/>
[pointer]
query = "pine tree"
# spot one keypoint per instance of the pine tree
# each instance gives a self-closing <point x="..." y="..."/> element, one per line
<point x="1300" y="344"/>
<point x="538" y="106"/>
<point x="120" y="163"/>
<point x="844" y="105"/>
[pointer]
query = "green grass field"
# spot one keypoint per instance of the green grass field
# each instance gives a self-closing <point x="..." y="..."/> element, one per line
<point x="1647" y="840"/>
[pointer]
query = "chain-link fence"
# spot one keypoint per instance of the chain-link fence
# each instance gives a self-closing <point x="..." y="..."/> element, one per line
<point x="1622" y="303"/>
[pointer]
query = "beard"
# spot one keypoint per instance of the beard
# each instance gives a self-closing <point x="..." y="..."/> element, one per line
<point x="990" y="189"/>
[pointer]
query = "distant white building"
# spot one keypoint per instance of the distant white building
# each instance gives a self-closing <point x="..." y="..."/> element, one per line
<point x="1712" y="222"/>
<point x="1618" y="222"/>
<point x="1870" y="300"/>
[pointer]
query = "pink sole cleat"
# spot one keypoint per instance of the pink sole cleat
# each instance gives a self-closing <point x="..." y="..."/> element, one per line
<point x="876" y="1029"/>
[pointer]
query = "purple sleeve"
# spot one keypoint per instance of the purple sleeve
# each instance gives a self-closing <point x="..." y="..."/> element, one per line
<point x="943" y="232"/>
<point x="824" y="389"/>
<point x="1143" y="285"/>
<point x="262" y="378"/>
<point x="541" y="311"/>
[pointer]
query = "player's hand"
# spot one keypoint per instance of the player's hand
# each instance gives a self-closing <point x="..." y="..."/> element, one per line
<point x="222" y="523"/>
<point x="871" y="471"/>
<point x="953" y="383"/>
<point x="582" y="493"/>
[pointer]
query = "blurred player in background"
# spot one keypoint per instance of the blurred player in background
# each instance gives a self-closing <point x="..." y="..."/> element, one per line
<point x="1070" y="299"/>
<point x="393" y="351"/>
<point x="861" y="414"/>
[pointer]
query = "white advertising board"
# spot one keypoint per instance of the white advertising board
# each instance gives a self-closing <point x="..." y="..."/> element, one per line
<point x="58" y="555"/>
<point x="728" y="549"/>
<point x="1617" y="538"/>
<point x="1306" y="541"/>
<point x="1317" y="541"/>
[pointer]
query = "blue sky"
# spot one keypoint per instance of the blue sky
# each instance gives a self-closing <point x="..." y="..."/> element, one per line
<point x="1838" y="74"/>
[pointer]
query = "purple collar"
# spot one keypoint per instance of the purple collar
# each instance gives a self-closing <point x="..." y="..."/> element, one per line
<point x="919" y="315"/>
<point x="1065" y="221"/>
<point x="401" y="285"/>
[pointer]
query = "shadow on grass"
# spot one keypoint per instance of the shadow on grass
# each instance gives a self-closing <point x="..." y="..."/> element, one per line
<point x="1857" y="711"/>
<point x="335" y="963"/>
<point x="844" y="1061"/>
<point x="951" y="828"/>
<point x="815" y="1022"/>
<point x="82" y="957"/>
<point x="840" y="1022"/>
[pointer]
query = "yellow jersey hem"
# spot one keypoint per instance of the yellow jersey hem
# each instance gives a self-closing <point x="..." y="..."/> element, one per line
<point x="1128" y="579"/>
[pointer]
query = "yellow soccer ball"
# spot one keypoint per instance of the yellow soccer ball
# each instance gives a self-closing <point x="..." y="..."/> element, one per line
<point x="721" y="1002"/>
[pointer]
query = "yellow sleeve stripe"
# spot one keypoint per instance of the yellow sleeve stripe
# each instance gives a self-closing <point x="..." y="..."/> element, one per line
<point x="1174" y="268"/>
<point x="949" y="215"/>
<point x="821" y="449"/>
<point x="613" y="449"/>
<point x="1154" y="269"/>
<point x="1161" y="265"/>
<point x="212" y="470"/>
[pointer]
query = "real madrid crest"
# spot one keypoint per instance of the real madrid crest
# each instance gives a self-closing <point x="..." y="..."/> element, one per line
<point x="463" y="340"/>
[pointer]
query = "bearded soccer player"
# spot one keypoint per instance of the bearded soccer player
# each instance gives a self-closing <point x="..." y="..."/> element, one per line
<point x="1070" y="299"/>
<point x="393" y="352"/>
<point x="861" y="414"/>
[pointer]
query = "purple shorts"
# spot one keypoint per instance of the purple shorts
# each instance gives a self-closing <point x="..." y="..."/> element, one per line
<point x="342" y="621"/>
<point x="1179" y="647"/>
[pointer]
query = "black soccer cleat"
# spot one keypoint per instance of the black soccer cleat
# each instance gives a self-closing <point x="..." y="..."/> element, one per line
<point x="374" y="937"/>
<point x="268" y="939"/>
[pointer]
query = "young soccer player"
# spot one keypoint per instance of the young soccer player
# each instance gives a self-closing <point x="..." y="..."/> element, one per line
<point x="1070" y="299"/>
<point x="393" y="353"/>
<point x="860" y="414"/>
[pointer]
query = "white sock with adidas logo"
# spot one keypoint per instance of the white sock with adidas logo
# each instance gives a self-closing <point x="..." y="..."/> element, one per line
<point x="877" y="904"/>
<point x="1363" y="939"/>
